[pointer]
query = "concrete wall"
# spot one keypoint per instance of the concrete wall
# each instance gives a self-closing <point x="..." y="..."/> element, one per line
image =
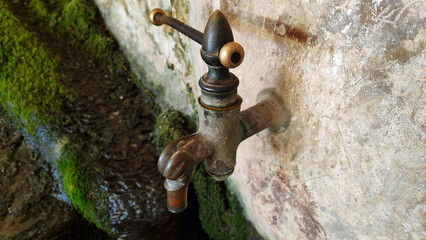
<point x="351" y="164"/>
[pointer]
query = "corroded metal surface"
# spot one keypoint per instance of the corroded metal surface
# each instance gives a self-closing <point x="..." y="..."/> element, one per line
<point x="221" y="129"/>
<point x="159" y="17"/>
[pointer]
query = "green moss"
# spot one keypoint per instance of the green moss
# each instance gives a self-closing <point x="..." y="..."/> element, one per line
<point x="77" y="19"/>
<point x="30" y="88"/>
<point x="218" y="210"/>
<point x="83" y="188"/>
<point x="170" y="125"/>
<point x="219" y="214"/>
<point x="42" y="11"/>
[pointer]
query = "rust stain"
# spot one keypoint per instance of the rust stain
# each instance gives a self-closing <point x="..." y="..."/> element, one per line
<point x="284" y="192"/>
<point x="278" y="28"/>
<point x="292" y="33"/>
<point x="290" y="203"/>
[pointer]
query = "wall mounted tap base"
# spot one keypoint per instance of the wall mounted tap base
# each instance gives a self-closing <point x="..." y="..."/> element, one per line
<point x="280" y="114"/>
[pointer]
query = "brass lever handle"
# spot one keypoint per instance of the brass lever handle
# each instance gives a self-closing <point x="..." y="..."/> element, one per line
<point x="231" y="54"/>
<point x="158" y="17"/>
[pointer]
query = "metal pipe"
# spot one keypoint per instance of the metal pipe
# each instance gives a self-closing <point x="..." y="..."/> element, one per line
<point x="269" y="112"/>
<point x="159" y="17"/>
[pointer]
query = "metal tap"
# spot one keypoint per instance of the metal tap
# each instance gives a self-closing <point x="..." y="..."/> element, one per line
<point x="222" y="125"/>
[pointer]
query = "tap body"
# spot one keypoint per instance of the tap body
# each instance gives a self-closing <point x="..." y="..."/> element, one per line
<point x="222" y="124"/>
<point x="222" y="128"/>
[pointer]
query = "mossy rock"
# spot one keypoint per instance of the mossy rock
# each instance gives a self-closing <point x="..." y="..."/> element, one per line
<point x="219" y="212"/>
<point x="170" y="125"/>
<point x="218" y="209"/>
<point x="30" y="87"/>
<point x="82" y="185"/>
<point x="77" y="19"/>
<point x="30" y="79"/>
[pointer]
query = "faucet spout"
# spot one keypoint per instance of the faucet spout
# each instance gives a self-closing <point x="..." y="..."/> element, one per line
<point x="177" y="163"/>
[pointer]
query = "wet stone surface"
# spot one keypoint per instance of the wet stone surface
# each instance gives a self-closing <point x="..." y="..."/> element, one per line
<point x="107" y="123"/>
<point x="29" y="207"/>
<point x="111" y="122"/>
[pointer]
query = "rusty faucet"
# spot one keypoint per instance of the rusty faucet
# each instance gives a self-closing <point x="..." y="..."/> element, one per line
<point x="222" y="125"/>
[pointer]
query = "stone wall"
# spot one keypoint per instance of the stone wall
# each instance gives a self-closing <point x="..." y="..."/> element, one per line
<point x="351" y="163"/>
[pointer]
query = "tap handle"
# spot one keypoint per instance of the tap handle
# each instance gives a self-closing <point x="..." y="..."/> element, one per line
<point x="158" y="17"/>
<point x="229" y="53"/>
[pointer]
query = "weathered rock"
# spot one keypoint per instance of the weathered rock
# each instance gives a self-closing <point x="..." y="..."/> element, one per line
<point x="30" y="205"/>
<point x="108" y="172"/>
<point x="351" y="163"/>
